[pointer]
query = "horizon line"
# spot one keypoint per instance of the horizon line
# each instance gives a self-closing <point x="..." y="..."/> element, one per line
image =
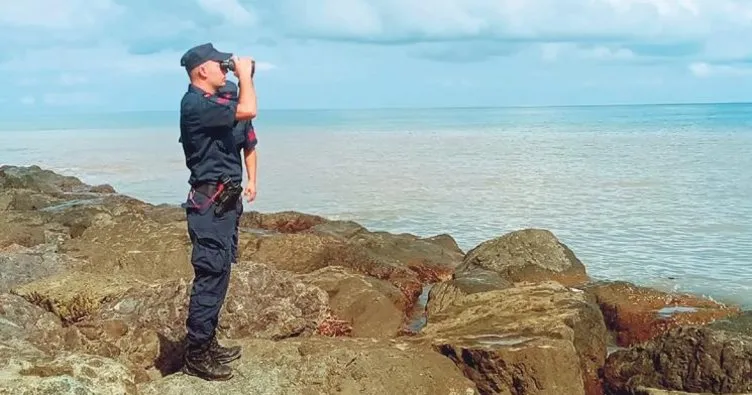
<point x="449" y="107"/>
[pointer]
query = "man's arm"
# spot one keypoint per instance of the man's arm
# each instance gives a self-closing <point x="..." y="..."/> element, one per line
<point x="250" y="168"/>
<point x="251" y="159"/>
<point x="247" y="96"/>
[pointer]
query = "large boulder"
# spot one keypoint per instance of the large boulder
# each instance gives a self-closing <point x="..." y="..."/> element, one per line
<point x="144" y="325"/>
<point x="21" y="265"/>
<point x="527" y="255"/>
<point x="25" y="369"/>
<point x="281" y="222"/>
<point x="692" y="359"/>
<point x="327" y="366"/>
<point x="636" y="314"/>
<point x="374" y="308"/>
<point x="531" y="339"/>
<point x="20" y="319"/>
<point x="307" y="252"/>
<point x="36" y="179"/>
<point x="447" y="293"/>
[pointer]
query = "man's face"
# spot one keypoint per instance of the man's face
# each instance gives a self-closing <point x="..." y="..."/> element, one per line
<point x="213" y="74"/>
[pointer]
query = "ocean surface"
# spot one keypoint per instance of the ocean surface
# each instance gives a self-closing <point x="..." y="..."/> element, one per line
<point x="660" y="195"/>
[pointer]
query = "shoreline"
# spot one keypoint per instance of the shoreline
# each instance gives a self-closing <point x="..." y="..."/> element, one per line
<point x="102" y="273"/>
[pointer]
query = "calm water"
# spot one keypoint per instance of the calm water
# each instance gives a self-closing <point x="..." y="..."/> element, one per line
<point x="657" y="195"/>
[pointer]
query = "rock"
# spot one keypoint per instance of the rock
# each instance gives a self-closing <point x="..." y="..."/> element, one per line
<point x="20" y="319"/>
<point x="26" y="200"/>
<point x="22" y="265"/>
<point x="24" y="229"/>
<point x="654" y="391"/>
<point x="283" y="222"/>
<point x="145" y="325"/>
<point x="307" y="252"/>
<point x="637" y="314"/>
<point x="527" y="255"/>
<point x="741" y="323"/>
<point x="46" y="181"/>
<point x="374" y="308"/>
<point x="74" y="295"/>
<point x="531" y="339"/>
<point x="693" y="359"/>
<point x="27" y="370"/>
<point x="447" y="293"/>
<point x="428" y="257"/>
<point x="326" y="366"/>
<point x="406" y="261"/>
<point x="341" y="229"/>
<point x="133" y="246"/>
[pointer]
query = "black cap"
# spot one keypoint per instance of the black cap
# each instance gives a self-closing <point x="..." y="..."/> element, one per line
<point x="200" y="54"/>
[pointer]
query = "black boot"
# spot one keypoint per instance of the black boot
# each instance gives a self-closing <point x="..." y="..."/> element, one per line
<point x="223" y="354"/>
<point x="200" y="363"/>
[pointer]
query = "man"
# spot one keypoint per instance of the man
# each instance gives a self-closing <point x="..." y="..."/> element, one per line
<point x="212" y="154"/>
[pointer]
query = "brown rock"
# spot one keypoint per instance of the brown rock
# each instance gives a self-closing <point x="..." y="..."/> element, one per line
<point x="741" y="323"/>
<point x="283" y="221"/>
<point x="374" y="308"/>
<point x="24" y="229"/>
<point x="637" y="314"/>
<point x="531" y="339"/>
<point x="448" y="293"/>
<point x="144" y="326"/>
<point x="37" y="179"/>
<point x="21" y="265"/>
<point x="20" y="319"/>
<point x="308" y="252"/>
<point x="73" y="295"/>
<point x="327" y="366"/>
<point x="130" y="245"/>
<point x="26" y="200"/>
<point x="27" y="370"/>
<point x="689" y="359"/>
<point x="527" y="255"/>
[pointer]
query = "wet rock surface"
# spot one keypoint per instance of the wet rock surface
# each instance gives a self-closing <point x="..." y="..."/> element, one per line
<point x="691" y="359"/>
<point x="447" y="293"/>
<point x="637" y="314"/>
<point x="530" y="339"/>
<point x="94" y="290"/>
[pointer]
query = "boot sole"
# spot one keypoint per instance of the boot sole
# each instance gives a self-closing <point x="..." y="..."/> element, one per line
<point x="194" y="373"/>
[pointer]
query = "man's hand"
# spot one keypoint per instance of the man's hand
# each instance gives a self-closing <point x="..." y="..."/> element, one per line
<point x="243" y="66"/>
<point x="250" y="192"/>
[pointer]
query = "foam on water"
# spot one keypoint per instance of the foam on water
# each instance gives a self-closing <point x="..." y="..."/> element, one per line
<point x="657" y="195"/>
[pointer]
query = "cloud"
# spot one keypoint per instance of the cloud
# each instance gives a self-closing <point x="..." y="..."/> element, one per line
<point x="704" y="70"/>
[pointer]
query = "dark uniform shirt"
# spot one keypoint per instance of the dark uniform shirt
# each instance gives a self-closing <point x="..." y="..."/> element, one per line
<point x="209" y="134"/>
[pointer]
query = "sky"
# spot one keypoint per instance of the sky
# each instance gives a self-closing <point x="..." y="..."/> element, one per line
<point x="124" y="55"/>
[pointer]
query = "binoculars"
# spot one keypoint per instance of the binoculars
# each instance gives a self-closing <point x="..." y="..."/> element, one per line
<point x="229" y="64"/>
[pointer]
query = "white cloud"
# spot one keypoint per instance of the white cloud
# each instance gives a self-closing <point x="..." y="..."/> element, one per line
<point x="704" y="70"/>
<point x="230" y="10"/>
<point x="57" y="14"/>
<point x="530" y="19"/>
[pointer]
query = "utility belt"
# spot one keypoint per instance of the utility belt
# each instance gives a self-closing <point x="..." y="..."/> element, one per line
<point x="225" y="194"/>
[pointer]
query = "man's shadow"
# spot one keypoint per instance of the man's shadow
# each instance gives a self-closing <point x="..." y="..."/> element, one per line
<point x="170" y="358"/>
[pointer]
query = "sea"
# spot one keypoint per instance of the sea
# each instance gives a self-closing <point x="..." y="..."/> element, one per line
<point x="658" y="195"/>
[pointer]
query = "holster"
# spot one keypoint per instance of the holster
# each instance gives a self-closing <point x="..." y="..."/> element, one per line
<point x="228" y="197"/>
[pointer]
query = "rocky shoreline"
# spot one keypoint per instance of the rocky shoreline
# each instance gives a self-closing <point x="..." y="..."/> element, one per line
<point x="93" y="299"/>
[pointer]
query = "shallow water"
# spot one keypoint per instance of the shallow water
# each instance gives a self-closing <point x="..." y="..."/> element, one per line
<point x="657" y="195"/>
